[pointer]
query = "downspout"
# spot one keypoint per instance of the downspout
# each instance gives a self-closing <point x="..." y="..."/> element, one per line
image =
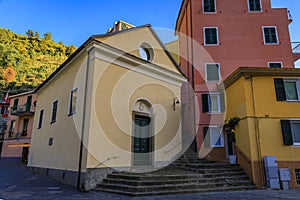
<point x="83" y="123"/>
<point x="257" y="133"/>
<point x="193" y="77"/>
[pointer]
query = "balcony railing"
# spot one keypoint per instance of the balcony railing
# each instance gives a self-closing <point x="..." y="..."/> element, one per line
<point x="290" y="17"/>
<point x="22" y="110"/>
<point x="296" y="50"/>
<point x="296" y="47"/>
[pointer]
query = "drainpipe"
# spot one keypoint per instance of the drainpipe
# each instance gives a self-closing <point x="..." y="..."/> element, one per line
<point x="193" y="78"/>
<point x="83" y="123"/>
<point x="257" y="133"/>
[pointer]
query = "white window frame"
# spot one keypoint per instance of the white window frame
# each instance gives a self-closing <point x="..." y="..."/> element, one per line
<point x="221" y="137"/>
<point x="219" y="70"/>
<point x="204" y="36"/>
<point x="275" y="62"/>
<point x="209" y="12"/>
<point x="297" y="81"/>
<point x="255" y="11"/>
<point x="219" y="102"/>
<point x="291" y="122"/>
<point x="70" y="102"/>
<point x="264" y="37"/>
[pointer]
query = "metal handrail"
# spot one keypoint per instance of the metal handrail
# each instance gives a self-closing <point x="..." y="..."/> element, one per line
<point x="22" y="108"/>
<point x="107" y="159"/>
<point x="296" y="47"/>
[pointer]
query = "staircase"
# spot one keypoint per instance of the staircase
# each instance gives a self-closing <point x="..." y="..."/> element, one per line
<point x="186" y="175"/>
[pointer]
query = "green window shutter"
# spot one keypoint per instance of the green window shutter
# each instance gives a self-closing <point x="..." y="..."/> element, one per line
<point x="205" y="103"/>
<point x="206" y="140"/>
<point x="222" y="102"/>
<point x="279" y="88"/>
<point x="286" y="132"/>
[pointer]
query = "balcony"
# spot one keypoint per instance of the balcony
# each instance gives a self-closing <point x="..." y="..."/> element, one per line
<point x="296" y="50"/>
<point x="24" y="110"/>
<point x="290" y="17"/>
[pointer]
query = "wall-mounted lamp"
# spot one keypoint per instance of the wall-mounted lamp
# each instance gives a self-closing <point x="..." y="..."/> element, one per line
<point x="175" y="101"/>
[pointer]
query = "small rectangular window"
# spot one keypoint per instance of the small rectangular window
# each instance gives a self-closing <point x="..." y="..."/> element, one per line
<point x="212" y="72"/>
<point x="275" y="64"/>
<point x="270" y="35"/>
<point x="211" y="36"/>
<point x="290" y="87"/>
<point x="297" y="174"/>
<point x="295" y="127"/>
<point x="41" y="119"/>
<point x="213" y="137"/>
<point x="290" y="132"/>
<point x="209" y="6"/>
<point x="25" y="127"/>
<point x="73" y="101"/>
<point x="287" y="89"/>
<point x="15" y="105"/>
<point x="254" y="5"/>
<point x="213" y="103"/>
<point x="54" y="112"/>
<point x="11" y="128"/>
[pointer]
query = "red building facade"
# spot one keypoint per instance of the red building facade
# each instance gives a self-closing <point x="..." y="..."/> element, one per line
<point x="215" y="38"/>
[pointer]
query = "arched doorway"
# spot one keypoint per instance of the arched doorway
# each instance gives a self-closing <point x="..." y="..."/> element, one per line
<point x="142" y="137"/>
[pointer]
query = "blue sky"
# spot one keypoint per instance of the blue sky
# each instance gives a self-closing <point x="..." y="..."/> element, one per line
<point x="73" y="21"/>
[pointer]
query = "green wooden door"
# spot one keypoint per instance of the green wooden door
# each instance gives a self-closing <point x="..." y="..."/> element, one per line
<point x="142" y="141"/>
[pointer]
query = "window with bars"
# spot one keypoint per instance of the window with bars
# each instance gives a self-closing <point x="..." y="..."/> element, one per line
<point x="209" y="6"/>
<point x="270" y="35"/>
<point x="211" y="36"/>
<point x="254" y="5"/>
<point x="275" y="64"/>
<point x="297" y="173"/>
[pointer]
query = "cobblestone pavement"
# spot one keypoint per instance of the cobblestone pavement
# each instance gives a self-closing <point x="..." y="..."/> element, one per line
<point x="17" y="183"/>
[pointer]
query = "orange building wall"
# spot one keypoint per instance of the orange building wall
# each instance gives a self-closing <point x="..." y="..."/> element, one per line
<point x="12" y="146"/>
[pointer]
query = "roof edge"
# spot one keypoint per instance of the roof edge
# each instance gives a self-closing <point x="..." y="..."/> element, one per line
<point x="259" y="71"/>
<point x="180" y="13"/>
<point x="62" y="66"/>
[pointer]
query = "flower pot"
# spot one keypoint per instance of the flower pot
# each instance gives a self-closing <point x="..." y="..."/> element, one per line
<point x="232" y="159"/>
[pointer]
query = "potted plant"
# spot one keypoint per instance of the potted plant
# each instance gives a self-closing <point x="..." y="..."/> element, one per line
<point x="230" y="131"/>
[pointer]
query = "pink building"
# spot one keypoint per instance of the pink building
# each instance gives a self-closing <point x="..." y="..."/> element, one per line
<point x="19" y="126"/>
<point x="226" y="35"/>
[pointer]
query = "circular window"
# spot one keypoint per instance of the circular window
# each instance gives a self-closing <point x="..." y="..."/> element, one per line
<point x="146" y="52"/>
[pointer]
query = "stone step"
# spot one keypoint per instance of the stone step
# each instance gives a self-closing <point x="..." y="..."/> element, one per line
<point x="191" y="180"/>
<point x="214" y="170"/>
<point x="174" y="187"/>
<point x="188" y="174"/>
<point x="180" y="191"/>
<point x="171" y="187"/>
<point x="153" y="177"/>
<point x="208" y="165"/>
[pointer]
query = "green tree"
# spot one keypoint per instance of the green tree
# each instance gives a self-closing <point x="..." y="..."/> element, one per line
<point x="48" y="36"/>
<point x="29" y="33"/>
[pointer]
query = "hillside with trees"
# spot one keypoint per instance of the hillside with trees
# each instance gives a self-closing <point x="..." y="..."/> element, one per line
<point x="27" y="60"/>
